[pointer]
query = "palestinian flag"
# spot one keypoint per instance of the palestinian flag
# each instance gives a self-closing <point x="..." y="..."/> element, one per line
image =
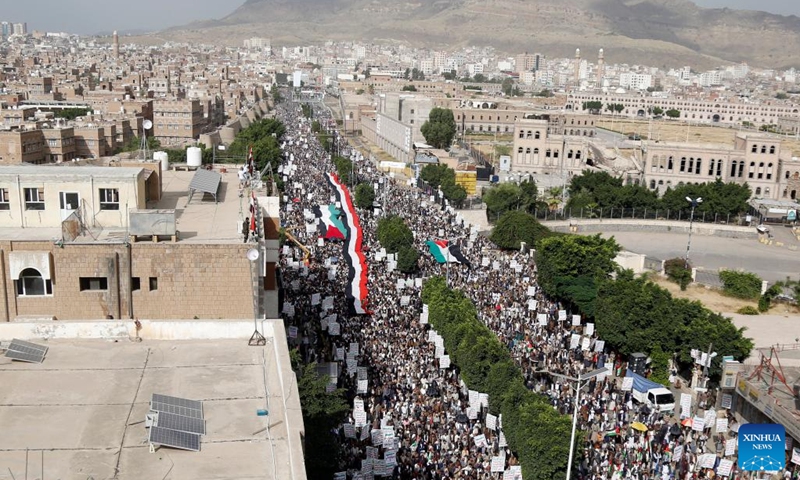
<point x="444" y="253"/>
<point x="330" y="226"/>
<point x="353" y="254"/>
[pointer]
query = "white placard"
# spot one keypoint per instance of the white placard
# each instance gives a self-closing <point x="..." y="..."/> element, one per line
<point x="562" y="315"/>
<point x="531" y="291"/>
<point x="377" y="437"/>
<point x="586" y="343"/>
<point x="333" y="329"/>
<point x="707" y="460"/>
<point x="315" y="299"/>
<point x="503" y="442"/>
<point x="542" y="318"/>
<point x="480" y="441"/>
<point x="727" y="400"/>
<point x="725" y="467"/>
<point x="686" y="405"/>
<point x="698" y="423"/>
<point x="491" y="421"/>
<point x="599" y="345"/>
<point x="405" y="300"/>
<point x="589" y="329"/>
<point x="362" y="386"/>
<point x="444" y="361"/>
<point x="349" y="430"/>
<point x="574" y="341"/>
<point x="730" y="448"/>
<point x="498" y="463"/>
<point x="795" y="456"/>
<point x="483" y="399"/>
<point x="576" y="320"/>
<point x="474" y="399"/>
<point x="722" y="425"/>
<point x="627" y="384"/>
<point x="292" y="332"/>
<point x="677" y="454"/>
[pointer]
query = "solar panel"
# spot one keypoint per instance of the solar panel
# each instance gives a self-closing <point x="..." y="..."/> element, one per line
<point x="24" y="357"/>
<point x="180" y="423"/>
<point x="205" y="181"/>
<point x="174" y="439"/>
<point x="23" y="346"/>
<point x="177" y="406"/>
<point x="26" y="351"/>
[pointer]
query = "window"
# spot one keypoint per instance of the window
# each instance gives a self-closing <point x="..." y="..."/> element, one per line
<point x="109" y="199"/>
<point x="769" y="172"/>
<point x="719" y="168"/>
<point x="536" y="135"/>
<point x="758" y="191"/>
<point x="697" y="166"/>
<point x="683" y="164"/>
<point x="5" y="204"/>
<point x="32" y="284"/>
<point x="751" y="172"/>
<point x="772" y="149"/>
<point x="570" y="154"/>
<point x="153" y="283"/>
<point x="711" y="167"/>
<point x="93" y="284"/>
<point x="136" y="284"/>
<point x="51" y="142"/>
<point x="763" y="149"/>
<point x="547" y="153"/>
<point x="754" y="149"/>
<point x="578" y="155"/>
<point x="34" y="199"/>
<point x="555" y="154"/>
<point x="670" y="164"/>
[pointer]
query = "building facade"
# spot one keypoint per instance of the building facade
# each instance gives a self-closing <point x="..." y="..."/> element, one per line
<point x="536" y="151"/>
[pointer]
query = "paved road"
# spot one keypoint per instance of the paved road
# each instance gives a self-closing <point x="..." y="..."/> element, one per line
<point x="769" y="262"/>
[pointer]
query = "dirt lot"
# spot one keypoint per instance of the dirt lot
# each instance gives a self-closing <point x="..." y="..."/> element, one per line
<point x="670" y="131"/>
<point x="715" y="301"/>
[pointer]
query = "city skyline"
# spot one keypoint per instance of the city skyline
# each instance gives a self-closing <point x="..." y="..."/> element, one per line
<point x="69" y="15"/>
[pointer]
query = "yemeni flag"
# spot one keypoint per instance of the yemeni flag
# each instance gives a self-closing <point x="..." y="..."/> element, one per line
<point x="353" y="254"/>
<point x="330" y="226"/>
<point x="444" y="253"/>
<point x="251" y="164"/>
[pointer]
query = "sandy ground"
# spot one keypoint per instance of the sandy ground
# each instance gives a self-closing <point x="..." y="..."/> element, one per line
<point x="670" y="131"/>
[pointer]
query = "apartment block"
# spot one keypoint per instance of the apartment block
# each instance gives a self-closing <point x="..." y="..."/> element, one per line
<point x="177" y="121"/>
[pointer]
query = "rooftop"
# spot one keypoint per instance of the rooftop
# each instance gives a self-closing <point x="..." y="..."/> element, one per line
<point x="61" y="172"/>
<point x="85" y="406"/>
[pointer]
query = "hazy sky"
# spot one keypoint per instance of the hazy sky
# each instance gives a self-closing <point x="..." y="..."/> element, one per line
<point x="92" y="16"/>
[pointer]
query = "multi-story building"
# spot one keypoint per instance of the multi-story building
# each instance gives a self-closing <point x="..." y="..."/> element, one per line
<point x="536" y="151"/>
<point x="59" y="144"/>
<point x="177" y="121"/>
<point x="753" y="159"/>
<point x="692" y="110"/>
<point x="636" y="81"/>
<point x="69" y="249"/>
<point x="21" y="145"/>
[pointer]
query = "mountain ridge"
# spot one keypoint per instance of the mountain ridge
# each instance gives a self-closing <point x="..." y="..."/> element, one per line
<point x="651" y="32"/>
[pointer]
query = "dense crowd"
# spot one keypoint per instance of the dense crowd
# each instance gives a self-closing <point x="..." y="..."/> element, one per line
<point x="417" y="417"/>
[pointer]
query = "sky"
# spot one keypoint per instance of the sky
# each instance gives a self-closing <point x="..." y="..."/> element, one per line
<point x="107" y="15"/>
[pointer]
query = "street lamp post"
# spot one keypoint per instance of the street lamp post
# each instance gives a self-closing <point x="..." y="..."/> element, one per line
<point x="580" y="382"/>
<point x="695" y="202"/>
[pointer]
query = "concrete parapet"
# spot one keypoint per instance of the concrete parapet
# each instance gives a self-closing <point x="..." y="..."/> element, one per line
<point x="654" y="226"/>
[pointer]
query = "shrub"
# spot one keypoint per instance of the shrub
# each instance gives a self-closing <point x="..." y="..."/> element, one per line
<point x="743" y="285"/>
<point x="515" y="227"/>
<point x="747" y="310"/>
<point x="676" y="271"/>
<point x="394" y="234"/>
<point x="407" y="257"/>
<point x="766" y="300"/>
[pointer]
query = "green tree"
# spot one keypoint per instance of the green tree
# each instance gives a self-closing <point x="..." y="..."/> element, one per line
<point x="507" y="86"/>
<point x="438" y="175"/>
<point x="574" y="256"/>
<point x="659" y="365"/>
<point x="765" y="302"/>
<point x="451" y="75"/>
<point x="479" y="78"/>
<point x="71" y="113"/>
<point x="440" y="129"/>
<point x="510" y="196"/>
<point x="515" y="227"/>
<point x="594" y="107"/>
<point x="676" y="271"/>
<point x="323" y="412"/>
<point x="743" y="285"/>
<point x="454" y="193"/>
<point x="409" y="88"/>
<point x="407" y="258"/>
<point x="658" y="110"/>
<point x="781" y="96"/>
<point x="672" y="113"/>
<point x="394" y="234"/>
<point x="344" y="168"/>
<point x="365" y="196"/>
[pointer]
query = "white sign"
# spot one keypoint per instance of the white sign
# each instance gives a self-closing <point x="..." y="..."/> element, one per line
<point x="795" y="456"/>
<point x="730" y="447"/>
<point x="722" y="425"/>
<point x="727" y="400"/>
<point x="480" y="441"/>
<point x="574" y="341"/>
<point x="589" y="329"/>
<point x="627" y="384"/>
<point x="498" y="463"/>
<point x="725" y="467"/>
<point x="707" y="460"/>
<point x="686" y="405"/>
<point x="576" y="320"/>
<point x="562" y="315"/>
<point x="698" y="424"/>
<point x="542" y="318"/>
<point x="444" y="362"/>
<point x="491" y="421"/>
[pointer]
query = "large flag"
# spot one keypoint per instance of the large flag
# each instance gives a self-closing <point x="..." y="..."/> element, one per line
<point x="330" y="226"/>
<point x="444" y="253"/>
<point x="353" y="254"/>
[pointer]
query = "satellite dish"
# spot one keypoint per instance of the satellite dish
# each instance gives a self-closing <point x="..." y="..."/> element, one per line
<point x="147" y="124"/>
<point x="252" y="254"/>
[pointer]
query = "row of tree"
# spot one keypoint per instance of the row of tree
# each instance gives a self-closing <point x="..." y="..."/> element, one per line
<point x="631" y="314"/>
<point x="595" y="106"/>
<point x="596" y="190"/>
<point x="444" y="177"/>
<point x="395" y="236"/>
<point x="534" y="430"/>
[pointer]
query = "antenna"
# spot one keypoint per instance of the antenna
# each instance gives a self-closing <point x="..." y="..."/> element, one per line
<point x="146" y="125"/>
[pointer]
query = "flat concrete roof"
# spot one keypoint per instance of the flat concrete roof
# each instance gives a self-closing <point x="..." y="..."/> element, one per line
<point x="67" y="172"/>
<point x="85" y="408"/>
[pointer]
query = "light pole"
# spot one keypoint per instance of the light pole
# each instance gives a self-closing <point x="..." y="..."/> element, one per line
<point x="580" y="382"/>
<point x="257" y="339"/>
<point x="695" y="202"/>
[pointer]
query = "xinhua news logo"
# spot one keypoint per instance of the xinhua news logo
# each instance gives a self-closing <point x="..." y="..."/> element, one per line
<point x="762" y="447"/>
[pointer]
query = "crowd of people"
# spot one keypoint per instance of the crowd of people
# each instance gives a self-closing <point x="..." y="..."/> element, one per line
<point x="413" y="419"/>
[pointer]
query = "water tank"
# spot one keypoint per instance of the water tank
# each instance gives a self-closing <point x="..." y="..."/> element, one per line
<point x="194" y="157"/>
<point x="162" y="157"/>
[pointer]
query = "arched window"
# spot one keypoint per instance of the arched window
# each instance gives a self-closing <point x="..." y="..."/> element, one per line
<point x="763" y="149"/>
<point x="786" y="176"/>
<point x="766" y="191"/>
<point x="570" y="154"/>
<point x="711" y="167"/>
<point x="758" y="190"/>
<point x="754" y="149"/>
<point x="536" y="135"/>
<point x="519" y="150"/>
<point x="555" y="153"/>
<point x="578" y="155"/>
<point x="670" y="164"/>
<point x="733" y="168"/>
<point x="769" y="171"/>
<point x="698" y="166"/>
<point x="528" y="150"/>
<point x="760" y="170"/>
<point x="547" y="153"/>
<point x="683" y="164"/>
<point x="772" y="149"/>
<point x="522" y="134"/>
<point x="751" y="172"/>
<point x="652" y="184"/>
<point x="536" y="151"/>
<point x="31" y="283"/>
<point x="785" y="192"/>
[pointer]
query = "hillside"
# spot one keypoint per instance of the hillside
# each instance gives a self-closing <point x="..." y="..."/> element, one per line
<point x="654" y="32"/>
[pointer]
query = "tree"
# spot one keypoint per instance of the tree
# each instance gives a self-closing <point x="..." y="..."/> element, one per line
<point x="676" y="271"/>
<point x="71" y="113"/>
<point x="510" y="196"/>
<point x="658" y="110"/>
<point x="322" y="413"/>
<point x="440" y="129"/>
<point x="574" y="256"/>
<point x="417" y="74"/>
<point x="407" y="258"/>
<point x="515" y="227"/>
<point x="454" y="193"/>
<point x="365" y="196"/>
<point x="451" y="75"/>
<point x="437" y="175"/>
<point x="479" y="78"/>
<point x="394" y="234"/>
<point x="672" y="113"/>
<point x="409" y="88"/>
<point x="507" y="86"/>
<point x="344" y="167"/>
<point x="781" y="96"/>
<point x="593" y="106"/>
<point x="615" y="107"/>
<point x="743" y="285"/>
